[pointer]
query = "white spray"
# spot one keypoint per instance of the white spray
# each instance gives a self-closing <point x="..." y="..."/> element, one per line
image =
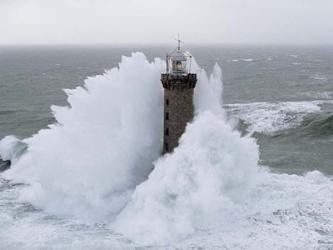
<point x="102" y="145"/>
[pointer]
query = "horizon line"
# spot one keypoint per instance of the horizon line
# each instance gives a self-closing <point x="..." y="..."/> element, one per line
<point x="217" y="44"/>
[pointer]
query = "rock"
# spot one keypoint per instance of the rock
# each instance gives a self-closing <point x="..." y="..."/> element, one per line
<point x="4" y="165"/>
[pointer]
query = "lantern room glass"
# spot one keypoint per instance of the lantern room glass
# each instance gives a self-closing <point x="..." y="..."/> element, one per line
<point x="178" y="66"/>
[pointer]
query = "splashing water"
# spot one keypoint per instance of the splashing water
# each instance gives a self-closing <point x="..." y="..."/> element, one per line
<point x="101" y="147"/>
<point x="101" y="162"/>
<point x="188" y="189"/>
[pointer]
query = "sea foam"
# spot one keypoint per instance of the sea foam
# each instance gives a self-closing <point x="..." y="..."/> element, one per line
<point x="268" y="118"/>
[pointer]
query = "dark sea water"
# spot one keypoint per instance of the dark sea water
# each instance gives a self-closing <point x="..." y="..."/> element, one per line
<point x="283" y="94"/>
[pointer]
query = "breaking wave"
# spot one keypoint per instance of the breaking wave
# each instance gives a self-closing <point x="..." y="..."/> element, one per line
<point x="268" y="118"/>
<point x="101" y="162"/>
<point x="102" y="145"/>
<point x="316" y="125"/>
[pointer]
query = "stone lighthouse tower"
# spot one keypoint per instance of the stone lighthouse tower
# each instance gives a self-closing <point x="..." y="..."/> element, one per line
<point x="178" y="84"/>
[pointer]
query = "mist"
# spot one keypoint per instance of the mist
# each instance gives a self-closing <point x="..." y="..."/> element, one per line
<point x="158" y="22"/>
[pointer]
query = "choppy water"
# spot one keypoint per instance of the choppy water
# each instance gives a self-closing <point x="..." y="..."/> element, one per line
<point x="273" y="88"/>
<point x="283" y="98"/>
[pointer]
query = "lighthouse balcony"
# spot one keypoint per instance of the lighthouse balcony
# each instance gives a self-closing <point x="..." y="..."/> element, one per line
<point x="177" y="81"/>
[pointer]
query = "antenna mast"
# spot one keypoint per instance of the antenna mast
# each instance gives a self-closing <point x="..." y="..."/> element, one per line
<point x="179" y="42"/>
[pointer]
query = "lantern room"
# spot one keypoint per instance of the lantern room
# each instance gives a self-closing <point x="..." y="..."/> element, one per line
<point x="178" y="61"/>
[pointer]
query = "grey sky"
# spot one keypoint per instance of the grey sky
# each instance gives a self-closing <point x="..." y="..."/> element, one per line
<point x="159" y="21"/>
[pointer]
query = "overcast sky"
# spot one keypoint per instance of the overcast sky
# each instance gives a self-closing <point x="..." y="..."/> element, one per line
<point x="159" y="21"/>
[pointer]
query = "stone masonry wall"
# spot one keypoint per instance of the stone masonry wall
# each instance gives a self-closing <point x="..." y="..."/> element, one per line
<point x="178" y="111"/>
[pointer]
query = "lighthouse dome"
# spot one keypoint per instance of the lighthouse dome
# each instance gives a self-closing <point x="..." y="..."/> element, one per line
<point x="178" y="56"/>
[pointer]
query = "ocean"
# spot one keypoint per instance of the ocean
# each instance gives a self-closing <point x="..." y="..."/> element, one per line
<point x="278" y="102"/>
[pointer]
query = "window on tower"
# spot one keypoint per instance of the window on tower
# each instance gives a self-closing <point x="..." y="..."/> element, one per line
<point x="167" y="131"/>
<point x="167" y="102"/>
<point x="166" y="146"/>
<point x="167" y="116"/>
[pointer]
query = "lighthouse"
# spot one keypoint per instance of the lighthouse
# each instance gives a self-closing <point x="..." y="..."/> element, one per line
<point x="178" y="83"/>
